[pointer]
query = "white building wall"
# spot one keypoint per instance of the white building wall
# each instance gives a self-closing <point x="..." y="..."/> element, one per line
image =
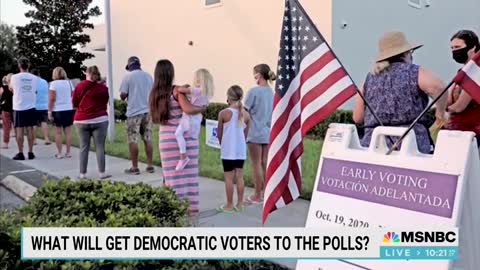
<point x="228" y="40"/>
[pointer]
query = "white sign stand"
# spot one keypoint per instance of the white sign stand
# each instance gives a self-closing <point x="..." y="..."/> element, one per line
<point x="360" y="187"/>
<point x="211" y="133"/>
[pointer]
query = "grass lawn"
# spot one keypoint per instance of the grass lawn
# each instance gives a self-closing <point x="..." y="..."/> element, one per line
<point x="210" y="163"/>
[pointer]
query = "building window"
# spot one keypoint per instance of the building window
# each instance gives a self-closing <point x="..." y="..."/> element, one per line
<point x="213" y="3"/>
<point x="415" y="3"/>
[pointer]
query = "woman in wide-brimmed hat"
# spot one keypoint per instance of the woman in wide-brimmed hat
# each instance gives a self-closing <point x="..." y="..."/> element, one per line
<point x="398" y="91"/>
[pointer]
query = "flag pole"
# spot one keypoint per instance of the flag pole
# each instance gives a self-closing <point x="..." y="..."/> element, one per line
<point x="397" y="143"/>
<point x="340" y="62"/>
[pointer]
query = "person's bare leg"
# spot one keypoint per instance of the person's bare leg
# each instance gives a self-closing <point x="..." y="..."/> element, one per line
<point x="240" y="187"/>
<point x="30" y="138"/>
<point x="149" y="152"/>
<point x="264" y="163"/>
<point x="58" y="140"/>
<point x="68" y="139"/>
<point x="45" y="132"/>
<point x="257" y="170"/>
<point x="133" y="148"/>
<point x="19" y="138"/>
<point x="229" y="189"/>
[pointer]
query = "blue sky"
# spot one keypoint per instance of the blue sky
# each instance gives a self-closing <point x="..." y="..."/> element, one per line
<point x="12" y="12"/>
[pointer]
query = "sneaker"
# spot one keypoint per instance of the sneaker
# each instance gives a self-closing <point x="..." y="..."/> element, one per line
<point x="181" y="164"/>
<point x="132" y="171"/>
<point x="19" y="156"/>
<point x="31" y="155"/>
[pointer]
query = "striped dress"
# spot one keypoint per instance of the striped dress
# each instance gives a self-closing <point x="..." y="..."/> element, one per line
<point x="184" y="182"/>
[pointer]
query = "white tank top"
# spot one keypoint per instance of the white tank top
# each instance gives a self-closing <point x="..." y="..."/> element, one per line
<point x="233" y="146"/>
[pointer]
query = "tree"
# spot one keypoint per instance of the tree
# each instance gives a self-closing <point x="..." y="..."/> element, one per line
<point x="55" y="34"/>
<point x="8" y="44"/>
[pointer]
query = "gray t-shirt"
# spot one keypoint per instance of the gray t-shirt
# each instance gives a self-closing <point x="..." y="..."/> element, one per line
<point x="259" y="103"/>
<point x="137" y="84"/>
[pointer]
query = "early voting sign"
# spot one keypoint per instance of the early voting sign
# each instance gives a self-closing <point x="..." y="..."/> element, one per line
<point x="211" y="138"/>
<point x="365" y="188"/>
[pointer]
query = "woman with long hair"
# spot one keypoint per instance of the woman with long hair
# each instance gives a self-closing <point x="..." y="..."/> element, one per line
<point x="166" y="106"/>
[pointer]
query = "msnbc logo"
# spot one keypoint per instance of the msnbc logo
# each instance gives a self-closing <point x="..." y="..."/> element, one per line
<point x="391" y="237"/>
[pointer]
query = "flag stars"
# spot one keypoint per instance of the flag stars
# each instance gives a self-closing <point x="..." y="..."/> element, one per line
<point x="294" y="19"/>
<point x="315" y="39"/>
<point x="294" y="67"/>
<point x="304" y="48"/>
<point x="300" y="18"/>
<point x="280" y="87"/>
<point x="294" y="10"/>
<point x="285" y="19"/>
<point x="286" y="47"/>
<point x="307" y="28"/>
<point x="294" y="29"/>
<point x="288" y="76"/>
<point x="280" y="77"/>
<point x="300" y="28"/>
<point x="285" y="28"/>
<point x="305" y="38"/>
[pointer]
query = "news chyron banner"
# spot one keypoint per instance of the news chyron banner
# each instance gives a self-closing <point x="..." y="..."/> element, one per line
<point x="236" y="243"/>
<point x="358" y="187"/>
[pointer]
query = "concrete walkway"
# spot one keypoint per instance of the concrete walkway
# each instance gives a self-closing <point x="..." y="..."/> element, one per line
<point x="212" y="192"/>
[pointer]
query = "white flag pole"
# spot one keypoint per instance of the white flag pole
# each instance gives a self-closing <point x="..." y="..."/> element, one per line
<point x="111" y="108"/>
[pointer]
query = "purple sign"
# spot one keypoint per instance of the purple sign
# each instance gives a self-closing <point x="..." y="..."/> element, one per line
<point x="420" y="191"/>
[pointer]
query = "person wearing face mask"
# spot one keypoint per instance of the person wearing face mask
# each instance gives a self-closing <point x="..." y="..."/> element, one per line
<point x="259" y="104"/>
<point x="464" y="111"/>
<point x="398" y="90"/>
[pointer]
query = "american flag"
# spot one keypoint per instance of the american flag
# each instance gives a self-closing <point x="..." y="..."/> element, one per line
<point x="311" y="85"/>
<point x="468" y="78"/>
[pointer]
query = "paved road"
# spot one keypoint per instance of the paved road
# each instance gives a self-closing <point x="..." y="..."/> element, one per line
<point x="8" y="200"/>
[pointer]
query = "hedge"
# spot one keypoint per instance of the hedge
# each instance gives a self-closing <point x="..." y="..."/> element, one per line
<point x="92" y="203"/>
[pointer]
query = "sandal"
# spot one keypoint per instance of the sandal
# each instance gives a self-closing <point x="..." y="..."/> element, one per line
<point x="68" y="155"/>
<point x="58" y="156"/>
<point x="150" y="169"/>
<point x="249" y="200"/>
<point x="222" y="209"/>
<point x="132" y="171"/>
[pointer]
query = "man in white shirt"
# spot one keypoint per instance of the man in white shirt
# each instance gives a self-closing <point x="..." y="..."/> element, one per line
<point x="135" y="88"/>
<point x="24" y="87"/>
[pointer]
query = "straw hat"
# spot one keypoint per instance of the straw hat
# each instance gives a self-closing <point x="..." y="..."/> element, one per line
<point x="392" y="44"/>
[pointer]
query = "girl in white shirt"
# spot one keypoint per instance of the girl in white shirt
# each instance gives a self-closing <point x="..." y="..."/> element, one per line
<point x="233" y="125"/>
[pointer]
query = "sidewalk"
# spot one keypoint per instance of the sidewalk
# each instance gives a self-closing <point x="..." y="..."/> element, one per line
<point x="212" y="193"/>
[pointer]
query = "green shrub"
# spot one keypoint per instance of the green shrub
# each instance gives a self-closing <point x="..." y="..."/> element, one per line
<point x="100" y="204"/>
<point x="213" y="109"/>
<point x="120" y="107"/>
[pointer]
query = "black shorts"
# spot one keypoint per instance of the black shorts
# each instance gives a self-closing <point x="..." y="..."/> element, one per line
<point x="42" y="117"/>
<point x="63" y="119"/>
<point x="26" y="118"/>
<point x="231" y="165"/>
